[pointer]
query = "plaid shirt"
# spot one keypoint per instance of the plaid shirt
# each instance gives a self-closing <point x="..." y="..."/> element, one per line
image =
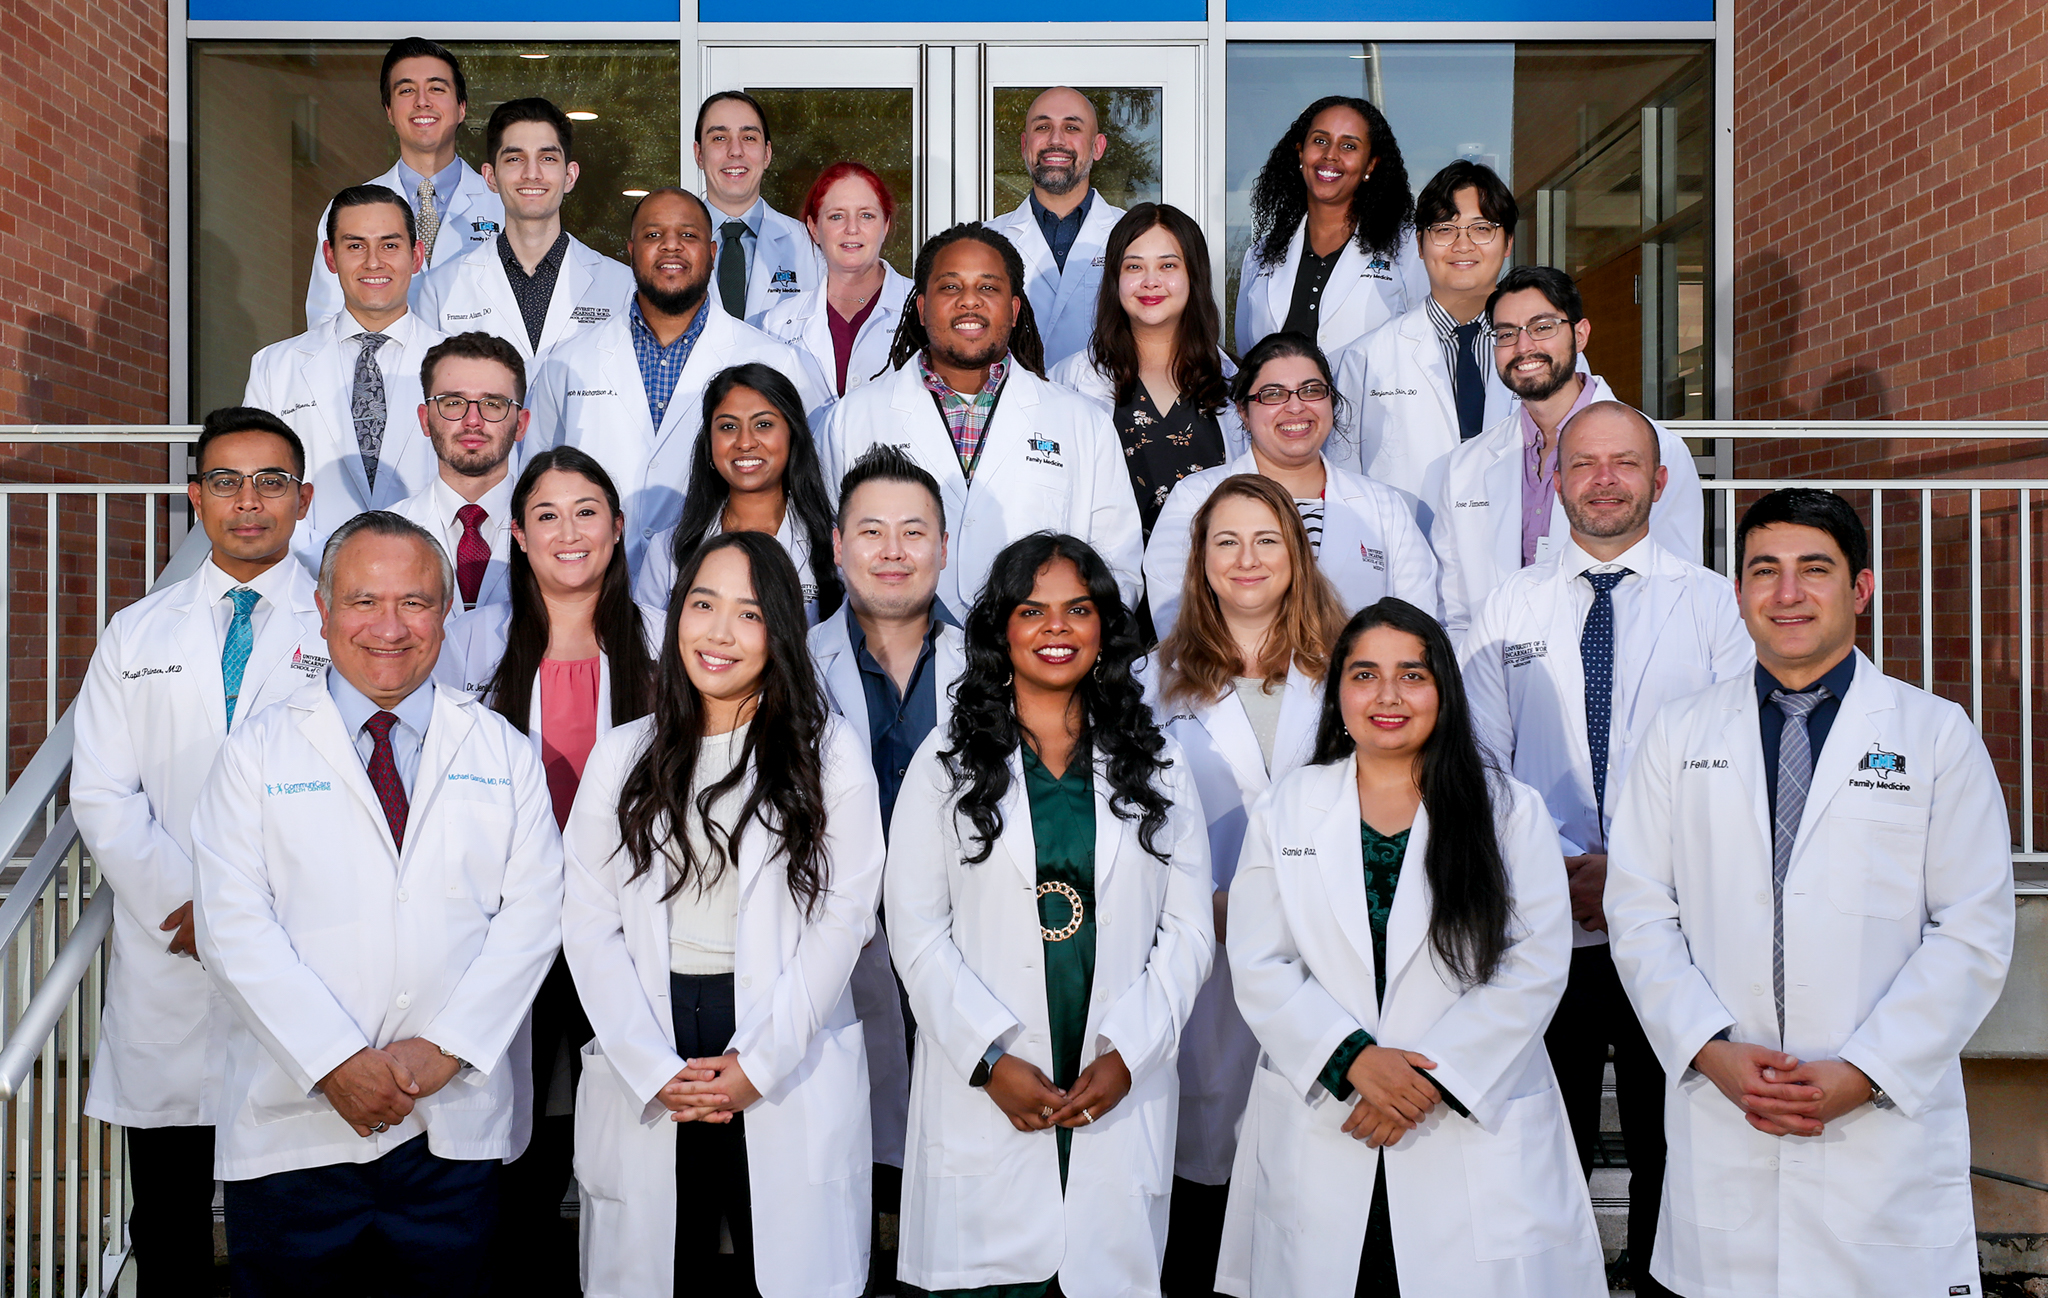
<point x="661" y="366"/>
<point x="966" y="418"/>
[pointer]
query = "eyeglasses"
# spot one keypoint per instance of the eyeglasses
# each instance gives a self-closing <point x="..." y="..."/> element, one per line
<point x="1543" y="327"/>
<point x="1275" y="395"/>
<point x="1443" y="234"/>
<point x="455" y="409"/>
<point x="227" y="484"/>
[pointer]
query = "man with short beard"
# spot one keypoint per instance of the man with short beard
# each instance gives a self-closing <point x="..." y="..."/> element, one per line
<point x="1062" y="226"/>
<point x="1565" y="665"/>
<point x="1493" y="501"/>
<point x="474" y="414"/>
<point x="630" y="391"/>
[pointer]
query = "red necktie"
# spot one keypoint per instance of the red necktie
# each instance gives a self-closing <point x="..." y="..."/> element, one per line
<point x="472" y="552"/>
<point x="384" y="775"/>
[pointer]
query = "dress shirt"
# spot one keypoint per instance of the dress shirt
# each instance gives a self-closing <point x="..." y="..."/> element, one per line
<point x="661" y="366"/>
<point x="533" y="292"/>
<point x="1771" y="722"/>
<point x="1447" y="338"/>
<point x="1539" y="473"/>
<point x="750" y="242"/>
<point x="1578" y="563"/>
<point x="497" y="527"/>
<point x="1061" y="231"/>
<point x="414" y="711"/>
<point x="898" y="721"/>
<point x="272" y="584"/>
<point x="1311" y="274"/>
<point x="390" y="359"/>
<point x="446" y="181"/>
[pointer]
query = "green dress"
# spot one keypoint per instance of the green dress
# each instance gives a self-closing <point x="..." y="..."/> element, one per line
<point x="1063" y="831"/>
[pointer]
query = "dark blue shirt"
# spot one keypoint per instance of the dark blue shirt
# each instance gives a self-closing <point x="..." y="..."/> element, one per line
<point x="897" y="721"/>
<point x="1771" y="722"/>
<point x="1061" y="231"/>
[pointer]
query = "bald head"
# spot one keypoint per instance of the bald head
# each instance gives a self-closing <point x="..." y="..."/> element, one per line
<point x="1062" y="142"/>
<point x="1619" y="419"/>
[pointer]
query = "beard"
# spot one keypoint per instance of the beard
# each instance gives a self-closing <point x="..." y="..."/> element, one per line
<point x="990" y="351"/>
<point x="1543" y="386"/>
<point x="679" y="302"/>
<point x="1606" y="525"/>
<point x="472" y="464"/>
<point x="1059" y="180"/>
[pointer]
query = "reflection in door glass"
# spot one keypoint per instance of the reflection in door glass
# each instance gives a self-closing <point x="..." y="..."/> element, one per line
<point x="815" y="128"/>
<point x="1129" y="170"/>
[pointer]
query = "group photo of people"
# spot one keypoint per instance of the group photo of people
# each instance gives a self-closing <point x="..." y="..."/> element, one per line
<point x="561" y="836"/>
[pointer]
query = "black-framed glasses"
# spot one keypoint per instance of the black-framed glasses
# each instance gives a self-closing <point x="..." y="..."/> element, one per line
<point x="1543" y="327"/>
<point x="1445" y="233"/>
<point x="1275" y="395"/>
<point x="227" y="484"/>
<point x="455" y="409"/>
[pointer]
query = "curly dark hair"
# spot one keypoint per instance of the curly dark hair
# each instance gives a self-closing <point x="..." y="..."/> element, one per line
<point x="1025" y="344"/>
<point x="1382" y="208"/>
<point x="1114" y="719"/>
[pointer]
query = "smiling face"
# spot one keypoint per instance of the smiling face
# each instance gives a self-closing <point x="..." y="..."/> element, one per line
<point x="672" y="253"/>
<point x="849" y="227"/>
<point x="568" y="531"/>
<point x="384" y="625"/>
<point x="532" y="171"/>
<point x="1289" y="435"/>
<point x="749" y="442"/>
<point x="1799" y="600"/>
<point x="1336" y="155"/>
<point x="969" y="305"/>
<point x="1388" y="697"/>
<point x="1056" y="635"/>
<point x="423" y="109"/>
<point x="1465" y="266"/>
<point x="249" y="531"/>
<point x="733" y="152"/>
<point x="891" y="550"/>
<point x="373" y="258"/>
<point x="1061" y="142"/>
<point x="472" y="446"/>
<point x="1606" y="476"/>
<point x="1245" y="559"/>
<point x="1152" y="279"/>
<point x="1535" y="369"/>
<point x="721" y="637"/>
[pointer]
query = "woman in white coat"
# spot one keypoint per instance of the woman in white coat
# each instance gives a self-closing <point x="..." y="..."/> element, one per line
<point x="1333" y="252"/>
<point x="1362" y="533"/>
<point x="1240" y="688"/>
<point x="1400" y="936"/>
<point x="724" y="859"/>
<point x="1061" y="830"/>
<point x="847" y="322"/>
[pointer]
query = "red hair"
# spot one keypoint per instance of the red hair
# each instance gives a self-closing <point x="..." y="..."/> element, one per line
<point x="839" y="171"/>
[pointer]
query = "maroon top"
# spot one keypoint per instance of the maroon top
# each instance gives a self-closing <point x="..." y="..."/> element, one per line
<point x="843" y="332"/>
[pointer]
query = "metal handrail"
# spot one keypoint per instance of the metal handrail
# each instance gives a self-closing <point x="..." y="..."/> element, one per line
<point x="53" y="997"/>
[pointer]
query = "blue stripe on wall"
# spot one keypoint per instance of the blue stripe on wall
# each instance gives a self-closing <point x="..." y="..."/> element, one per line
<point x="1471" y="11"/>
<point x="423" y="13"/>
<point x="427" y="12"/>
<point x="928" y="11"/>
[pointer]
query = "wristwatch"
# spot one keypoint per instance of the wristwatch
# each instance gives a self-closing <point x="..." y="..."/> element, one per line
<point x="461" y="1064"/>
<point x="1878" y="1099"/>
<point x="983" y="1070"/>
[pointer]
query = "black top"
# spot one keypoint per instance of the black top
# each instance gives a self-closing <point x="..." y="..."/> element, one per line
<point x="898" y="720"/>
<point x="1160" y="450"/>
<point x="1061" y="231"/>
<point x="1309" y="277"/>
<point x="533" y="292"/>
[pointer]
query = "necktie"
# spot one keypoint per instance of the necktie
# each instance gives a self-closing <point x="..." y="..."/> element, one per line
<point x="234" y="655"/>
<point x="1795" y="773"/>
<point x="472" y="552"/>
<point x="732" y="268"/>
<point x="366" y="403"/>
<point x="1596" y="654"/>
<point x="429" y="214"/>
<point x="384" y="775"/>
<point x="1470" y="383"/>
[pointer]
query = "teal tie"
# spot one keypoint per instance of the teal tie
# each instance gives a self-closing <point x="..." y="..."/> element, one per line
<point x="234" y="656"/>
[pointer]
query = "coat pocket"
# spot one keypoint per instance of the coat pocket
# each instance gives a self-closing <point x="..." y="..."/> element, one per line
<point x="1523" y="1181"/>
<point x="1876" y="859"/>
<point x="957" y="1124"/>
<point x="1891" y="1179"/>
<point x="838" y="1130"/>
<point x="1709" y="1172"/>
<point x="605" y="1112"/>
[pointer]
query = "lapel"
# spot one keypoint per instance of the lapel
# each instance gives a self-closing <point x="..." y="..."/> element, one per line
<point x="282" y="632"/>
<point x="1568" y="674"/>
<point x="199" y="646"/>
<point x="1408" y="920"/>
<point x="1426" y="354"/>
<point x="618" y="364"/>
<point x="840" y="671"/>
<point x="321" y="727"/>
<point x="1502" y="489"/>
<point x="569" y="287"/>
<point x="1663" y="590"/>
<point x="930" y="444"/>
<point x="1041" y="272"/>
<point x="1856" y="730"/>
<point x="1011" y="428"/>
<point x="1344" y="280"/>
<point x="1340" y="862"/>
<point x="1017" y="841"/>
<point x="1275" y="290"/>
<point x="1300" y="711"/>
<point x="1230" y="731"/>
<point x="487" y="276"/>
<point x="1744" y="745"/>
<point x="1109" y="830"/>
<point x="446" y="732"/>
<point x="331" y="384"/>
<point x="1088" y="245"/>
<point x="707" y="358"/>
<point x="950" y="658"/>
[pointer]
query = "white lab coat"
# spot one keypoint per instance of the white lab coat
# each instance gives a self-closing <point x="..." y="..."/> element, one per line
<point x="1474" y="511"/>
<point x="1676" y="631"/>
<point x="805" y="322"/>
<point x="424" y="508"/>
<point x="326" y="940"/>
<point x="1898" y="930"/>
<point x="309" y="381"/>
<point x="1062" y="301"/>
<point x="470" y="216"/>
<point x="472" y="293"/>
<point x="475" y="643"/>
<point x="982" y="1202"/>
<point x="786" y="263"/>
<point x="1370" y="548"/>
<point x="798" y="1040"/>
<point x="1493" y="1204"/>
<point x="589" y="394"/>
<point x="875" y="996"/>
<point x="655" y="580"/>
<point x="1364" y="291"/>
<point x="1402" y="405"/>
<point x="1218" y="1051"/>
<point x="1048" y="460"/>
<point x="1079" y="373"/>
<point x="151" y="715"/>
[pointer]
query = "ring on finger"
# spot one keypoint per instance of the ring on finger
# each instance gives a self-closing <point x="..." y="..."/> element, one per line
<point x="1045" y="1110"/>
<point x="1087" y="1115"/>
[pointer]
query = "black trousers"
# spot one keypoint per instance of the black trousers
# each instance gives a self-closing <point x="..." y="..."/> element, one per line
<point x="535" y="1251"/>
<point x="711" y="1158"/>
<point x="171" y="1225"/>
<point x="1194" y="1236"/>
<point x="410" y="1223"/>
<point x="1594" y="1015"/>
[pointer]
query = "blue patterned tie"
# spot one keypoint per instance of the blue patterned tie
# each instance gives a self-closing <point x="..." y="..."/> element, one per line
<point x="1795" y="773"/>
<point x="234" y="655"/>
<point x="1596" y="653"/>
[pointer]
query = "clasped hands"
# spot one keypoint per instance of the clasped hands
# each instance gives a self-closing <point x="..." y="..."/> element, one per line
<point x="1031" y="1102"/>
<point x="1780" y="1095"/>
<point x="709" y="1090"/>
<point x="1392" y="1098"/>
<point x="377" y="1089"/>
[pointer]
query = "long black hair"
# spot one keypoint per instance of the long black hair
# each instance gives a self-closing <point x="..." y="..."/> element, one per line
<point x="1025" y="344"/>
<point x="621" y="635"/>
<point x="782" y="746"/>
<point x="1114" y="719"/>
<point x="1382" y="208"/>
<point x="1197" y="364"/>
<point x="1468" y="879"/>
<point x="803" y="477"/>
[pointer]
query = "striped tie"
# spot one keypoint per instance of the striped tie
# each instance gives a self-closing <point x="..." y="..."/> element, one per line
<point x="1795" y="774"/>
<point x="234" y="655"/>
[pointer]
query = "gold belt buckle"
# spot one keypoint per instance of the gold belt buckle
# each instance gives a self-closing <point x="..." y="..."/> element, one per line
<point x="1074" y="903"/>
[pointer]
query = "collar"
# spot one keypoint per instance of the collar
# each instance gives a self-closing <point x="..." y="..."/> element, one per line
<point x="415" y="709"/>
<point x="1836" y="678"/>
<point x="401" y="331"/>
<point x="754" y="217"/>
<point x="1638" y="559"/>
<point x="497" y="502"/>
<point x="996" y="374"/>
<point x="273" y="583"/>
<point x="937" y="618"/>
<point x="1446" y="327"/>
<point x="446" y="181"/>
<point x="1042" y="214"/>
<point x="550" y="261"/>
<point x="687" y="339"/>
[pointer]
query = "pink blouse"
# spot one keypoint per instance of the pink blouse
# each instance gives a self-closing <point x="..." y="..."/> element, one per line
<point x="568" y="726"/>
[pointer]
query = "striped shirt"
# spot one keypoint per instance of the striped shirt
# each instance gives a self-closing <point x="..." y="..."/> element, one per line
<point x="1447" y="338"/>
<point x="1312" y="521"/>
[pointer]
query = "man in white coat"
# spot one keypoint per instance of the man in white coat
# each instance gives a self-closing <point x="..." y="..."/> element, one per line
<point x="1062" y="227"/>
<point x="534" y="285"/>
<point x="1492" y="503"/>
<point x="170" y="675"/>
<point x="1565" y="666"/>
<point x="1811" y="902"/>
<point x="474" y="417"/>
<point x="1012" y="452"/>
<point x="349" y="385"/>
<point x="426" y="100"/>
<point x="765" y="257"/>
<point x="377" y="893"/>
<point x="630" y="391"/>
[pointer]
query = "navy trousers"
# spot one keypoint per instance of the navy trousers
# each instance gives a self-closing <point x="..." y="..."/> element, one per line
<point x="711" y="1159"/>
<point x="171" y="1227"/>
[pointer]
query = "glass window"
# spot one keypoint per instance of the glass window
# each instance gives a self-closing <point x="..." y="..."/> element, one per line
<point x="279" y="126"/>
<point x="1129" y="171"/>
